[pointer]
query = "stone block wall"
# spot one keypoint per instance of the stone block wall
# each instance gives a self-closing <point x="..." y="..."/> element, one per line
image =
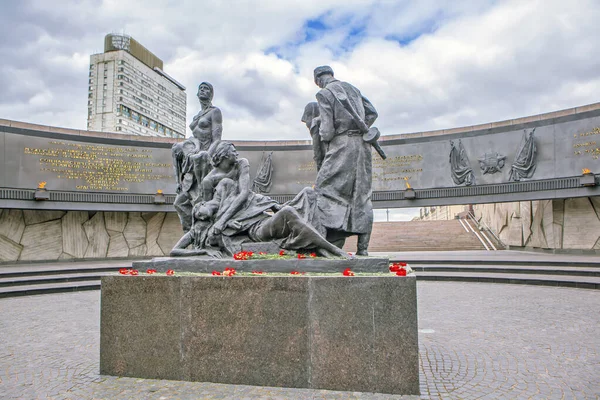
<point x="562" y="224"/>
<point x="30" y="235"/>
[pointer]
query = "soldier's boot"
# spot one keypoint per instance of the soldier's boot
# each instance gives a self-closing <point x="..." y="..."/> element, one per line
<point x="363" y="244"/>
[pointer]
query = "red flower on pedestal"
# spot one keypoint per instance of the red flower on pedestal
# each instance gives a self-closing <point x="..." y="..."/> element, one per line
<point x="216" y="273"/>
<point x="301" y="256"/>
<point x="243" y="255"/>
<point x="348" y="272"/>
<point x="395" y="267"/>
<point x="150" y="271"/>
<point x="258" y="273"/>
<point x="297" y="273"/>
<point x="133" y="272"/>
<point x="124" y="271"/>
<point x="399" y="268"/>
<point x="313" y="255"/>
<point x="229" y="271"/>
<point x="170" y="272"/>
<point x="281" y="253"/>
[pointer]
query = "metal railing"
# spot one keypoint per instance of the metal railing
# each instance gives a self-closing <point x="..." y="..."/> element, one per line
<point x="482" y="226"/>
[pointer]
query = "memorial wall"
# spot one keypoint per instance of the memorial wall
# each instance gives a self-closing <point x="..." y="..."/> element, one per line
<point x="110" y="195"/>
<point x="508" y="160"/>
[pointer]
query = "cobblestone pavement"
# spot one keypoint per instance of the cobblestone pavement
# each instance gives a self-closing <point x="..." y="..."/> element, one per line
<point x="477" y="341"/>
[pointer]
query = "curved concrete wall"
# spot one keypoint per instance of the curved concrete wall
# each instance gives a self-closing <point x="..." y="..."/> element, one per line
<point x="88" y="170"/>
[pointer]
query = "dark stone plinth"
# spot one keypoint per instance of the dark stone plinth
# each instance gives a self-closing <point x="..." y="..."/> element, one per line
<point x="202" y="264"/>
<point x="140" y="321"/>
<point x="341" y="333"/>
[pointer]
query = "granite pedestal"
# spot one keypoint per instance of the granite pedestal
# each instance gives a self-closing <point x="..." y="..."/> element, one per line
<point x="206" y="264"/>
<point x="340" y="333"/>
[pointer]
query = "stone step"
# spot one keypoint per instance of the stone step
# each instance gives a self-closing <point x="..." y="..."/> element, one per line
<point x="512" y="269"/>
<point x="65" y="276"/>
<point x="587" y="282"/>
<point x="29" y="269"/>
<point x="27" y="290"/>
<point x="497" y="262"/>
<point x="419" y="236"/>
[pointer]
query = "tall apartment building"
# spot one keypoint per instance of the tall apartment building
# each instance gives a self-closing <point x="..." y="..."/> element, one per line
<point x="129" y="93"/>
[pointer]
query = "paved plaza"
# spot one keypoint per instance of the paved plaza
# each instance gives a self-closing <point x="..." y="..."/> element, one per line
<point x="477" y="341"/>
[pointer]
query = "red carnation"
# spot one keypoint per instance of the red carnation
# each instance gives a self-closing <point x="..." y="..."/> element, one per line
<point x="133" y="272"/>
<point x="313" y="255"/>
<point x="150" y="271"/>
<point x="348" y="272"/>
<point x="301" y="256"/>
<point x="216" y="273"/>
<point x="170" y="272"/>
<point x="124" y="271"/>
<point x="401" y="272"/>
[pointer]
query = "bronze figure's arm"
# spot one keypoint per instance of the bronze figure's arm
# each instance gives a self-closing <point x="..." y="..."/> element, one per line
<point x="216" y="129"/>
<point x="240" y="199"/>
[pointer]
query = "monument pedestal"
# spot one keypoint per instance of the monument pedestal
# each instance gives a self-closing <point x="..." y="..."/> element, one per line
<point x="322" y="332"/>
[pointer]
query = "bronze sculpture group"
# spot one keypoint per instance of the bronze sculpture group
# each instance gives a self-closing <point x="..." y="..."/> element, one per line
<point x="219" y="211"/>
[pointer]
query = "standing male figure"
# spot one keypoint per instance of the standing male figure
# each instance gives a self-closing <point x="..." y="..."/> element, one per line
<point x="344" y="182"/>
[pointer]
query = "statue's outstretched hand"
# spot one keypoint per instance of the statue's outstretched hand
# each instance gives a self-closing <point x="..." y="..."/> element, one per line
<point x="218" y="227"/>
<point x="234" y="224"/>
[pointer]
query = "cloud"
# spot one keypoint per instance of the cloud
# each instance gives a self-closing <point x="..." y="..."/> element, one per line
<point x="424" y="65"/>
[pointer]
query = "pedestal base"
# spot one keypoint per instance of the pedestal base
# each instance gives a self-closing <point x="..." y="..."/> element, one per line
<point x="339" y="333"/>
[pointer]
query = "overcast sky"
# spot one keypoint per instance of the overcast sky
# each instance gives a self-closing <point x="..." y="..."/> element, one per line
<point x="425" y="65"/>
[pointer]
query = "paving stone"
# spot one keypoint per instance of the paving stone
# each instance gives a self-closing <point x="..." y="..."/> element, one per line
<point x="538" y="338"/>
